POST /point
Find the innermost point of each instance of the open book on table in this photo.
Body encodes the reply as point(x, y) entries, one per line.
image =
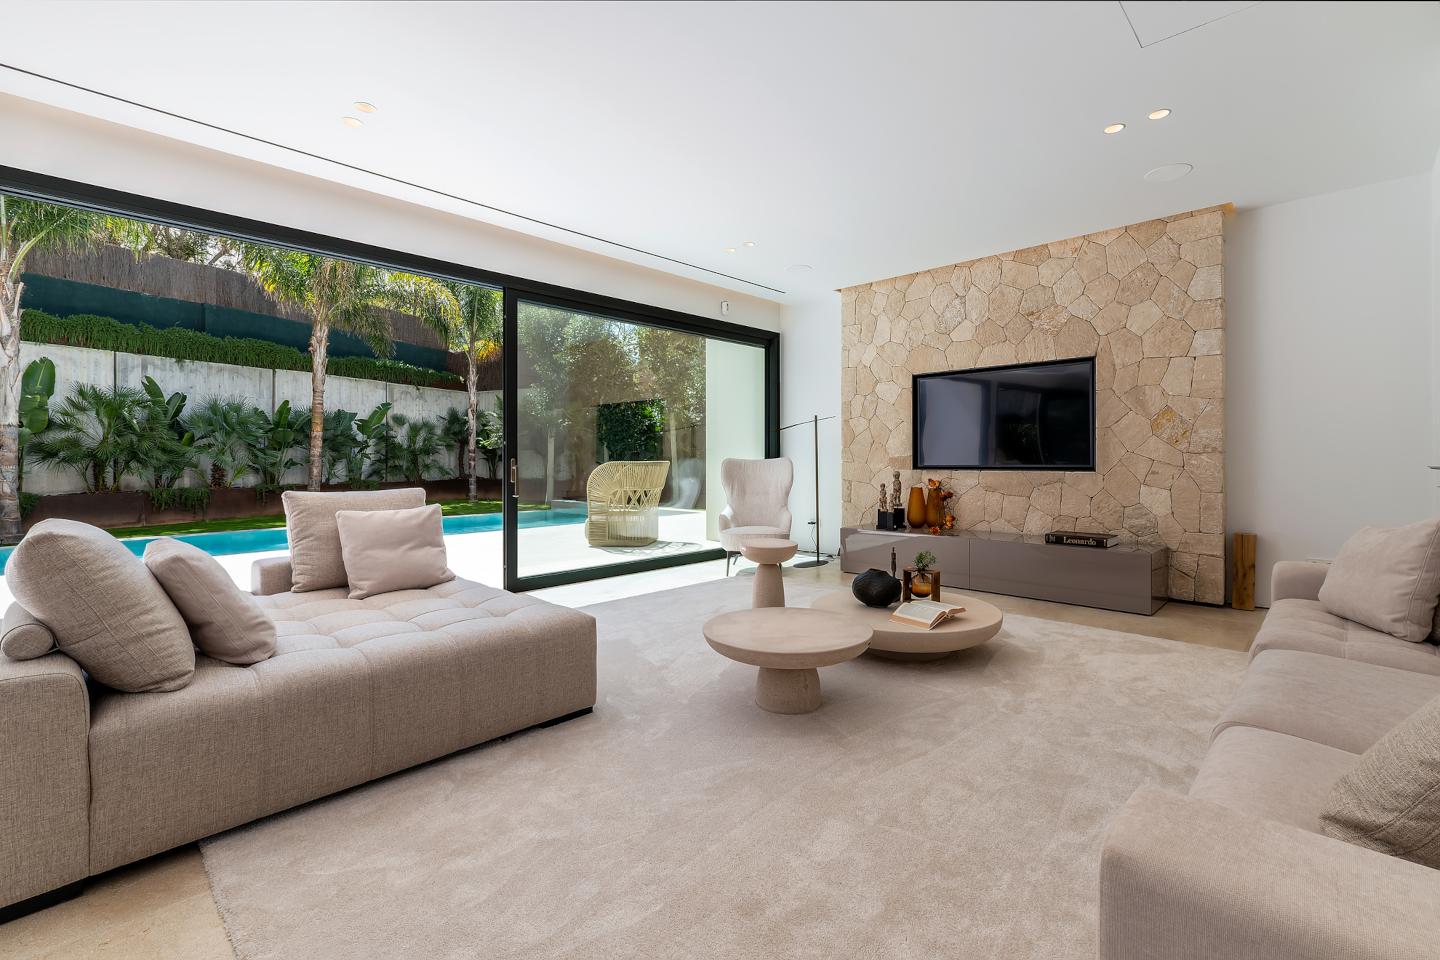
point(925, 614)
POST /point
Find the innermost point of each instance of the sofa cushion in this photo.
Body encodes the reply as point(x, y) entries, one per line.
point(23, 636)
point(1271, 775)
point(1387, 578)
point(315, 558)
point(224, 622)
point(1390, 801)
point(386, 550)
point(1306, 626)
point(107, 611)
point(1340, 703)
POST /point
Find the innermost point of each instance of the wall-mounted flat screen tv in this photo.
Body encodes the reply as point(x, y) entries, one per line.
point(1026, 416)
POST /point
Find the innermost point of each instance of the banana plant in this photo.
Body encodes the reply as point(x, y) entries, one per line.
point(371, 429)
point(281, 433)
point(37, 387)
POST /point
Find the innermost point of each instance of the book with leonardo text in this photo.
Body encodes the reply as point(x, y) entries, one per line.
point(925, 614)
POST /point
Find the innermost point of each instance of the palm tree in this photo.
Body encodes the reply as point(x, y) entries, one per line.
point(337, 294)
point(225, 431)
point(470, 319)
point(25, 226)
point(95, 432)
point(417, 447)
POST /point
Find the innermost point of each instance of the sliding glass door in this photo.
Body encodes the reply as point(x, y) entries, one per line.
point(619, 427)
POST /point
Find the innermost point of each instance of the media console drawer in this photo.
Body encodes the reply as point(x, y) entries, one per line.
point(1129, 577)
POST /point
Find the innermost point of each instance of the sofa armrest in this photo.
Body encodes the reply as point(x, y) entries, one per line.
point(270, 575)
point(1184, 879)
point(1297, 579)
point(44, 776)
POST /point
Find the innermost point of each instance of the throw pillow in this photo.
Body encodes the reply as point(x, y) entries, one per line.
point(225, 622)
point(1387, 579)
point(1390, 800)
point(315, 560)
point(389, 550)
point(107, 611)
point(22, 637)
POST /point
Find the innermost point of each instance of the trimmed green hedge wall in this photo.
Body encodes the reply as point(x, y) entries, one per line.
point(179, 343)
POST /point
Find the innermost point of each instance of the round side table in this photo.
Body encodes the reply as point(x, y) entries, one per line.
point(788, 645)
point(769, 553)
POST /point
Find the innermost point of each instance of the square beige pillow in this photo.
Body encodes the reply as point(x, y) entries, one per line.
point(225, 622)
point(1387, 578)
point(108, 613)
point(1390, 800)
point(315, 560)
point(388, 550)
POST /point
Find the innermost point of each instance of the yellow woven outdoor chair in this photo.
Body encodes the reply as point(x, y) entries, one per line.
point(622, 500)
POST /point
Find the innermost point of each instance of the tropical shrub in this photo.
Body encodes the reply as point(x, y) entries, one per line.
point(413, 449)
point(455, 434)
point(37, 387)
point(226, 430)
point(630, 431)
point(281, 434)
point(180, 343)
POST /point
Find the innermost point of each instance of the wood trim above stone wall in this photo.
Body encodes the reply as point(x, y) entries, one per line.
point(1147, 301)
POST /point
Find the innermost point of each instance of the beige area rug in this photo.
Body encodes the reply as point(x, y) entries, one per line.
point(947, 809)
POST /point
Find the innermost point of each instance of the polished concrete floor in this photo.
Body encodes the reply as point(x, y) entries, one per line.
point(161, 908)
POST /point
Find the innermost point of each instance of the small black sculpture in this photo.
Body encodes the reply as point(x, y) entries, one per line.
point(875, 588)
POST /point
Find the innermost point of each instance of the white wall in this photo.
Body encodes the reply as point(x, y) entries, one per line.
point(1329, 379)
point(734, 416)
point(810, 386)
point(48, 140)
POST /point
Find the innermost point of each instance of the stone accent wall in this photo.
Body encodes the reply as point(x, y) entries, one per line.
point(1146, 301)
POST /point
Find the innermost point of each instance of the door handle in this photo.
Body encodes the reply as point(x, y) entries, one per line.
point(514, 479)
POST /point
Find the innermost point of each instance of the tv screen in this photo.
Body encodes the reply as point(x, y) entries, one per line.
point(1029, 416)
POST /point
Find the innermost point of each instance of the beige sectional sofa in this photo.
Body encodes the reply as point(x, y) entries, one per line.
point(91, 778)
point(1240, 868)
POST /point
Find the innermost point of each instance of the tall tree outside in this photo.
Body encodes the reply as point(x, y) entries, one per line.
point(476, 333)
point(337, 294)
point(25, 226)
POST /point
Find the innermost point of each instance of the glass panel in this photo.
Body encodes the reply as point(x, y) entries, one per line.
point(620, 432)
point(175, 381)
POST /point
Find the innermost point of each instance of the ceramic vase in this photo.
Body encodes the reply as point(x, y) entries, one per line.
point(875, 588)
point(916, 512)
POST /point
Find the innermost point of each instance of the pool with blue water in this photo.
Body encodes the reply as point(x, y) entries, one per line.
point(259, 541)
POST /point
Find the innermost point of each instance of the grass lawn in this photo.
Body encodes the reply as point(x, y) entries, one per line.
point(450, 508)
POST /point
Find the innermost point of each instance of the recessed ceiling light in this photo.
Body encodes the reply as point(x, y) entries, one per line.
point(1160, 114)
point(352, 121)
point(1170, 171)
point(749, 243)
point(1114, 128)
point(365, 106)
point(799, 268)
point(729, 249)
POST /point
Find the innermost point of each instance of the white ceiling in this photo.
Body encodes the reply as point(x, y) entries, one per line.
point(864, 139)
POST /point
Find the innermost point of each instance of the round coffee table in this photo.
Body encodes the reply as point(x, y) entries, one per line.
point(900, 641)
point(769, 553)
point(788, 644)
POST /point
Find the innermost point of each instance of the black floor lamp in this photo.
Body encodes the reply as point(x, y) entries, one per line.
point(814, 423)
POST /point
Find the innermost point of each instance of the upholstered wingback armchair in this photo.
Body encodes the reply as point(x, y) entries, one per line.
point(757, 502)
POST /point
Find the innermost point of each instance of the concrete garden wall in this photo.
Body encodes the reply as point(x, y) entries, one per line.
point(199, 380)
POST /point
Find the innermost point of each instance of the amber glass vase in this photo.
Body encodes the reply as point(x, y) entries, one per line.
point(915, 514)
point(934, 507)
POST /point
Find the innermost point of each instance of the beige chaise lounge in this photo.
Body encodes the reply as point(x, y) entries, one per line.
point(92, 779)
point(1239, 869)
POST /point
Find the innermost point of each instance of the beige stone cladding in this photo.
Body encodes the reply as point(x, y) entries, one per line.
point(1147, 301)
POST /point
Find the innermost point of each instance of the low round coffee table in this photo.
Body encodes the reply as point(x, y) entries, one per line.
point(900, 641)
point(769, 553)
point(788, 644)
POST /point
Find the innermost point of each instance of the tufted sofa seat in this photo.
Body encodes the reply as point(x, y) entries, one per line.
point(356, 690)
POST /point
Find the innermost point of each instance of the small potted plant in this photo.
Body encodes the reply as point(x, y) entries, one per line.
point(922, 580)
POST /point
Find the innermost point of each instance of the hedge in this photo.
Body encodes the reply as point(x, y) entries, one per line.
point(180, 343)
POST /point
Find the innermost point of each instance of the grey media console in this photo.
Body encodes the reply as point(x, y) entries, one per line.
point(1128, 577)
